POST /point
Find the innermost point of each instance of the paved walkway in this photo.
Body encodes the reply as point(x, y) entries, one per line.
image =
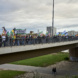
point(63, 68)
point(25, 68)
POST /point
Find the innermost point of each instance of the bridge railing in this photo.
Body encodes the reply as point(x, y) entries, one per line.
point(29, 41)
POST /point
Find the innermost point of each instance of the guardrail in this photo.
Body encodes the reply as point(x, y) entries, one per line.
point(39, 40)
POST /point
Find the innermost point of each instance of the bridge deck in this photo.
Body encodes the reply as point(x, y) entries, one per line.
point(13, 49)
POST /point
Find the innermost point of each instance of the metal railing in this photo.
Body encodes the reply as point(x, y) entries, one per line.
point(39, 40)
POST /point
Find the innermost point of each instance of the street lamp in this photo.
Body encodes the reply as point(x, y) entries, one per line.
point(52, 20)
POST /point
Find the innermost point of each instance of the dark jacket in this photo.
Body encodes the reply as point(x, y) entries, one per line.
point(0, 41)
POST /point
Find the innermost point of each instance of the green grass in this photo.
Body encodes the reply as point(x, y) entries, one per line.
point(73, 76)
point(43, 61)
point(9, 74)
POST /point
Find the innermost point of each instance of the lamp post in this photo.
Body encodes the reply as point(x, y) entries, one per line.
point(52, 20)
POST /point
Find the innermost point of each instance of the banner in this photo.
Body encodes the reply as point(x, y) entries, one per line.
point(40, 33)
point(20, 31)
point(4, 30)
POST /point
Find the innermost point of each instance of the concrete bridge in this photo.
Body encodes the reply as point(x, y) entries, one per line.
point(15, 53)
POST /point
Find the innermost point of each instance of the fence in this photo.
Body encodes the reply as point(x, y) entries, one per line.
point(39, 40)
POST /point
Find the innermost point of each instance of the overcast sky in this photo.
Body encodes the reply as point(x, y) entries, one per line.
point(37, 14)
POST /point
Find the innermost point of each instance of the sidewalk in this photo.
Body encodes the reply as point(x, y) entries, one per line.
point(25, 68)
point(63, 68)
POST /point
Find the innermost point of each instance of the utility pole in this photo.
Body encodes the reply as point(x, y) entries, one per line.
point(38, 31)
point(52, 20)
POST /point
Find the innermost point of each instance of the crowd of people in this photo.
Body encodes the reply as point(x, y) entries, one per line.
point(17, 40)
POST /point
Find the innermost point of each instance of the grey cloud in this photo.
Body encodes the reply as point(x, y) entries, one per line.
point(6, 7)
point(66, 1)
point(63, 10)
point(68, 26)
point(37, 13)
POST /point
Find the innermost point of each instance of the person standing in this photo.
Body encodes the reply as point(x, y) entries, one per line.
point(54, 70)
point(0, 41)
point(4, 39)
point(7, 40)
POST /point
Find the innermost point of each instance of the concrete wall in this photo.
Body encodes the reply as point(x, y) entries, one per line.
point(6, 50)
point(10, 54)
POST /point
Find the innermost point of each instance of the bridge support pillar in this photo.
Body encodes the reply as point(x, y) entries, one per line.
point(73, 54)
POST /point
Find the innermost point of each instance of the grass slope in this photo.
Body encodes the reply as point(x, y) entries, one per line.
point(9, 74)
point(43, 60)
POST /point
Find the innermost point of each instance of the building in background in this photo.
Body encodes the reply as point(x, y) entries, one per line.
point(49, 30)
point(72, 33)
